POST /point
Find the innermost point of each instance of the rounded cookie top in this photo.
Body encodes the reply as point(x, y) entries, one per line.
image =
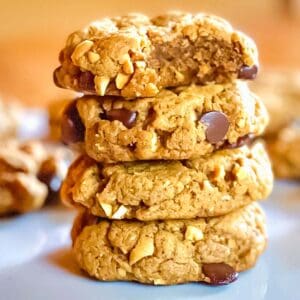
point(135, 56)
point(184, 123)
point(210, 186)
point(170, 252)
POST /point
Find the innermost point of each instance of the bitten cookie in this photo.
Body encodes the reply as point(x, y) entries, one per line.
point(28, 172)
point(185, 123)
point(134, 56)
point(211, 250)
point(210, 186)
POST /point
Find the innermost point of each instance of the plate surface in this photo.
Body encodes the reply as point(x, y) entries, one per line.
point(36, 262)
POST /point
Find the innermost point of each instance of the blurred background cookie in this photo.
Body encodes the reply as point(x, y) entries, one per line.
point(280, 91)
point(30, 172)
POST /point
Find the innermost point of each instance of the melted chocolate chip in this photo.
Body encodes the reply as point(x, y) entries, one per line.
point(72, 128)
point(241, 141)
point(219, 273)
point(127, 117)
point(247, 72)
point(56, 82)
point(217, 126)
point(86, 82)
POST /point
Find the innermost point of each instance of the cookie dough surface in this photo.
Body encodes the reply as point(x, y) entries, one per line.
point(210, 186)
point(170, 252)
point(135, 56)
point(184, 123)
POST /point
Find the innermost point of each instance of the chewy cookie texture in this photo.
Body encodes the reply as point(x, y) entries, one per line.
point(184, 123)
point(135, 56)
point(211, 250)
point(209, 186)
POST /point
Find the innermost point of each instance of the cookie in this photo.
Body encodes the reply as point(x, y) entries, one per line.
point(209, 186)
point(9, 116)
point(280, 92)
point(185, 123)
point(135, 56)
point(55, 112)
point(28, 174)
point(210, 250)
point(284, 149)
point(20, 190)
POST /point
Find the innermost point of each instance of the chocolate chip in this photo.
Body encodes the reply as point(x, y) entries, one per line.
point(219, 273)
point(241, 141)
point(56, 82)
point(247, 72)
point(86, 82)
point(217, 126)
point(127, 117)
point(72, 128)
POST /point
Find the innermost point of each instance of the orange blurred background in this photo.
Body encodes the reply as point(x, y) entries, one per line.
point(33, 32)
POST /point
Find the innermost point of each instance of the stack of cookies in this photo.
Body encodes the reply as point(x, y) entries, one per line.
point(167, 184)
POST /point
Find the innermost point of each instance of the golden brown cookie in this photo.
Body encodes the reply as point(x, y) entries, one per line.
point(135, 56)
point(209, 186)
point(210, 250)
point(185, 123)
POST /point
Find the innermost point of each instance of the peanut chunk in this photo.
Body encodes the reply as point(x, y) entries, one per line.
point(107, 209)
point(120, 213)
point(101, 83)
point(143, 248)
point(193, 233)
point(81, 49)
point(121, 80)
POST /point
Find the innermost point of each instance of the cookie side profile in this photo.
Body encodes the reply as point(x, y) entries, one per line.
point(209, 250)
point(185, 123)
point(209, 186)
point(135, 56)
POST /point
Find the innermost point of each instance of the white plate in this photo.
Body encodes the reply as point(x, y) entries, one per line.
point(36, 262)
